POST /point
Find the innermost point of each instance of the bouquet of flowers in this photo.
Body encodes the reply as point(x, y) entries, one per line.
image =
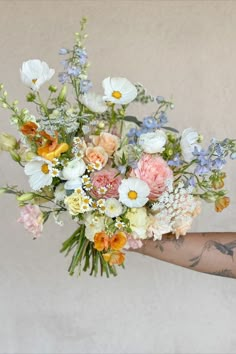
point(121, 179)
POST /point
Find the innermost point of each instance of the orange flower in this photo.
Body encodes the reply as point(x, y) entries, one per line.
point(29, 128)
point(118, 241)
point(101, 241)
point(45, 152)
point(221, 203)
point(114, 258)
point(51, 149)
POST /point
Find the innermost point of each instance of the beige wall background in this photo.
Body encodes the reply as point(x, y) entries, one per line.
point(184, 49)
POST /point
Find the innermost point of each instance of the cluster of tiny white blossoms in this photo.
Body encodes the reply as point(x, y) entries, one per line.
point(175, 206)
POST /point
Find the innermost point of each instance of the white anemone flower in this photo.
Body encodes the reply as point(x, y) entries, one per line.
point(93, 102)
point(118, 90)
point(34, 73)
point(189, 140)
point(40, 172)
point(74, 169)
point(73, 184)
point(133, 192)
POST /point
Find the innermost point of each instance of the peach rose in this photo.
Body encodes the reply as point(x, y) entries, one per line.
point(108, 141)
point(96, 154)
point(154, 171)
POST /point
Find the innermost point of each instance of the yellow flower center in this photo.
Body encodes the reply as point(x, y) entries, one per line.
point(34, 81)
point(116, 94)
point(132, 195)
point(45, 168)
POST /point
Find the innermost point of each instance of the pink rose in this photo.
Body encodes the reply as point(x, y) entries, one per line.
point(107, 178)
point(154, 171)
point(108, 141)
point(32, 218)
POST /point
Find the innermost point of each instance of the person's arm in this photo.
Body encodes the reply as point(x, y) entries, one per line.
point(209, 252)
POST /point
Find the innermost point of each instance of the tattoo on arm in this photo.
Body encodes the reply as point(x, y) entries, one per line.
point(227, 273)
point(226, 249)
point(176, 242)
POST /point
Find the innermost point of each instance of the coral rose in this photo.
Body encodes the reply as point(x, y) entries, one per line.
point(107, 178)
point(96, 154)
point(155, 172)
point(108, 141)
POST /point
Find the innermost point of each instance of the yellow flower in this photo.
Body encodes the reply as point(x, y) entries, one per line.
point(114, 257)
point(75, 203)
point(118, 241)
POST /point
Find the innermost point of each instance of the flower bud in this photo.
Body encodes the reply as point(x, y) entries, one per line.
point(16, 157)
point(1, 86)
point(7, 142)
point(101, 125)
point(3, 190)
point(52, 88)
point(218, 181)
point(5, 93)
point(62, 94)
point(25, 197)
point(4, 105)
point(221, 203)
point(30, 97)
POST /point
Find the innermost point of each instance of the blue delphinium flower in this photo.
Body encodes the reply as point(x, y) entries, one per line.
point(160, 99)
point(176, 161)
point(63, 51)
point(204, 163)
point(149, 123)
point(81, 53)
point(191, 182)
point(63, 78)
point(162, 120)
point(85, 86)
point(73, 71)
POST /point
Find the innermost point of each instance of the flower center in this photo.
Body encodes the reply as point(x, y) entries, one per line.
point(116, 94)
point(45, 168)
point(132, 195)
point(34, 81)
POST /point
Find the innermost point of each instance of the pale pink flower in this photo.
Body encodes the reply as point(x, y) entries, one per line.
point(32, 218)
point(108, 178)
point(155, 172)
point(181, 225)
point(108, 141)
point(133, 243)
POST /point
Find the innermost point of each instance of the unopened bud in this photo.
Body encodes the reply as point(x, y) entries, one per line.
point(52, 88)
point(16, 157)
point(62, 94)
point(25, 197)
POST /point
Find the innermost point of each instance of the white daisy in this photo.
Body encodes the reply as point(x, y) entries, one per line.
point(34, 73)
point(118, 90)
point(40, 172)
point(93, 102)
point(133, 192)
point(113, 207)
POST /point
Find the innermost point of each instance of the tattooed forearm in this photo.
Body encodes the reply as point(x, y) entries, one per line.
point(226, 249)
point(169, 238)
point(211, 253)
point(227, 273)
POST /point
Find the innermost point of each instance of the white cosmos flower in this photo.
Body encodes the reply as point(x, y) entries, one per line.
point(133, 192)
point(113, 207)
point(118, 90)
point(152, 142)
point(74, 169)
point(40, 171)
point(34, 73)
point(93, 102)
point(189, 139)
